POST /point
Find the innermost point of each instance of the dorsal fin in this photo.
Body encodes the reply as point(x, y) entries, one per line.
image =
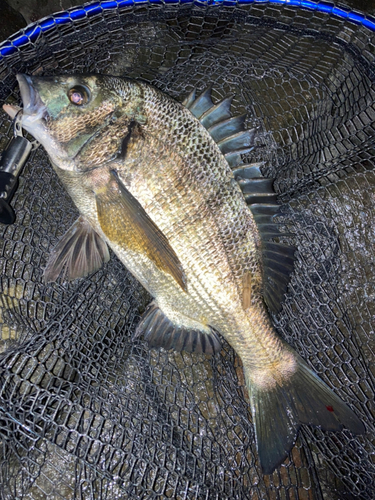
point(234, 141)
point(277, 259)
point(201, 104)
point(187, 102)
point(226, 130)
point(217, 113)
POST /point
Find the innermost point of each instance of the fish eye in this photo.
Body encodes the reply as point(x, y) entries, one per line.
point(78, 95)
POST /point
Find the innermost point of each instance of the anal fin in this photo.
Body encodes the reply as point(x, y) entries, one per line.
point(160, 331)
point(80, 252)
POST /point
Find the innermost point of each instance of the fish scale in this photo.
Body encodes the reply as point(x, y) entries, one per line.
point(193, 240)
point(151, 183)
point(207, 179)
point(228, 197)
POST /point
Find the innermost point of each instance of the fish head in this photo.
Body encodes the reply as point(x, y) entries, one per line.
point(77, 118)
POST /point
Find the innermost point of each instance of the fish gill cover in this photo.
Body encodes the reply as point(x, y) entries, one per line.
point(85, 412)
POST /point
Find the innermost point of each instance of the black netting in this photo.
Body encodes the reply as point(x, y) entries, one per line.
point(85, 412)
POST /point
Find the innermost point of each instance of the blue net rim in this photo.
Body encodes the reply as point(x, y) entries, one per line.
point(31, 33)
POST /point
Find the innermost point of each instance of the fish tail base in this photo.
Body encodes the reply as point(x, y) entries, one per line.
point(279, 409)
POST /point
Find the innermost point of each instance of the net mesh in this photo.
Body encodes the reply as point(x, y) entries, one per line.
point(85, 412)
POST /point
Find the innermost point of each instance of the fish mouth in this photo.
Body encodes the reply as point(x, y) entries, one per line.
point(34, 109)
point(32, 102)
point(29, 95)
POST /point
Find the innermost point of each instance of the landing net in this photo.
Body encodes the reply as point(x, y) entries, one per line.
point(85, 413)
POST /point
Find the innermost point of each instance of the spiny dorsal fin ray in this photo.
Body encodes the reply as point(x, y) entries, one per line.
point(234, 141)
point(244, 172)
point(257, 190)
point(265, 209)
point(226, 128)
point(256, 186)
point(189, 99)
point(260, 198)
point(218, 113)
point(234, 158)
point(241, 140)
point(202, 103)
point(160, 331)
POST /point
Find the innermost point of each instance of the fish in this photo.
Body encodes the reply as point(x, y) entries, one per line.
point(165, 186)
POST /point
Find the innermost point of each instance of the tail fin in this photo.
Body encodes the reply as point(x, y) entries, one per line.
point(279, 412)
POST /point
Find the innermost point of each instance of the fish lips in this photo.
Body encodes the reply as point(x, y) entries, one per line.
point(32, 102)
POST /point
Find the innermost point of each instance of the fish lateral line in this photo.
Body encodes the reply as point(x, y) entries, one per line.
point(246, 292)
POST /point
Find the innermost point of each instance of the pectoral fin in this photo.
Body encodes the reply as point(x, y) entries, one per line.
point(125, 222)
point(80, 251)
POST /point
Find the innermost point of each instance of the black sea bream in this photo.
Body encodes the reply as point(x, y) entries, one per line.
point(156, 181)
